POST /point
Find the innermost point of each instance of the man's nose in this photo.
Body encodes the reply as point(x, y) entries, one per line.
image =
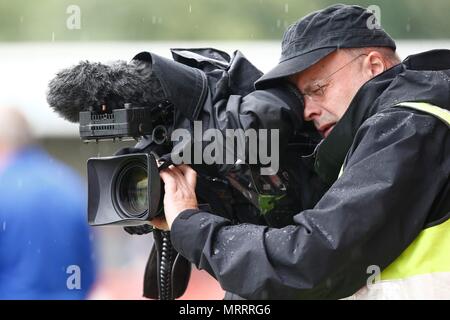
point(312, 109)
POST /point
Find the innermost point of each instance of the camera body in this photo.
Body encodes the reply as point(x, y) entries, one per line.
point(125, 189)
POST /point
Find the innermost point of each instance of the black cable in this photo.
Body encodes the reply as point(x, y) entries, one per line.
point(165, 267)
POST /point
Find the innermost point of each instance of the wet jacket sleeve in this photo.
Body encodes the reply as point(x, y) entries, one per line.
point(394, 172)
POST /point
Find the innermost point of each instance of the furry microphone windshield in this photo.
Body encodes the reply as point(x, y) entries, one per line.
point(95, 85)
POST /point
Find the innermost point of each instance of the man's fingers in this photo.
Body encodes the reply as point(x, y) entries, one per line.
point(180, 175)
point(189, 173)
point(185, 168)
point(175, 172)
point(168, 177)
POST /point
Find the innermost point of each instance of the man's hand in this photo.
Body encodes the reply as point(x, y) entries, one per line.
point(179, 188)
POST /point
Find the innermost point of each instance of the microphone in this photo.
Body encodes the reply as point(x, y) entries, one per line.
point(98, 87)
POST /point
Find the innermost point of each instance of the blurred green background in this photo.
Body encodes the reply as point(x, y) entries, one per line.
point(148, 20)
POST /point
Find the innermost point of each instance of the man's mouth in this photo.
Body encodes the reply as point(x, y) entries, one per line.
point(326, 129)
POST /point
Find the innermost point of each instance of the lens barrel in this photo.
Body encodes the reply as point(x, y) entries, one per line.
point(131, 190)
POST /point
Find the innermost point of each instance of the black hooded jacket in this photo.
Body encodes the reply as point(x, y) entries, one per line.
point(395, 183)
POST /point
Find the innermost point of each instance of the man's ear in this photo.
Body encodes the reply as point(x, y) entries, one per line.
point(374, 64)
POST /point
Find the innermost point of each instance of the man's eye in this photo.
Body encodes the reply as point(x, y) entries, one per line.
point(318, 90)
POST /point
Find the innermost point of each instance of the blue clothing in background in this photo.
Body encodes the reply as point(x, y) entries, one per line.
point(45, 249)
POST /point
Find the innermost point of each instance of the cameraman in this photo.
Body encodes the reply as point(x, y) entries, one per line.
point(388, 208)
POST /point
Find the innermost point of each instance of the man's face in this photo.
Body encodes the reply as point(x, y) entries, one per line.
point(329, 86)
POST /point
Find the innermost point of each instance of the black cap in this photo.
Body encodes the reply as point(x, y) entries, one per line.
point(320, 33)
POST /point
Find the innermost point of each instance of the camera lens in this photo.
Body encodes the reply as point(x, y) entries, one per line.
point(132, 190)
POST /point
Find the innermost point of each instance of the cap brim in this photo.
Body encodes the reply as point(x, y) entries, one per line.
point(292, 66)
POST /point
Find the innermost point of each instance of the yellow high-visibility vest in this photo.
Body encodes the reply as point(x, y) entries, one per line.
point(422, 271)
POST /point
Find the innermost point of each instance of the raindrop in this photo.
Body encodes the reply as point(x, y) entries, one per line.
point(190, 8)
point(286, 7)
point(153, 20)
point(4, 225)
point(278, 23)
point(21, 19)
point(53, 36)
point(408, 27)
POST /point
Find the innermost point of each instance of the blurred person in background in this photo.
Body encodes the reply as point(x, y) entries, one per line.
point(45, 251)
